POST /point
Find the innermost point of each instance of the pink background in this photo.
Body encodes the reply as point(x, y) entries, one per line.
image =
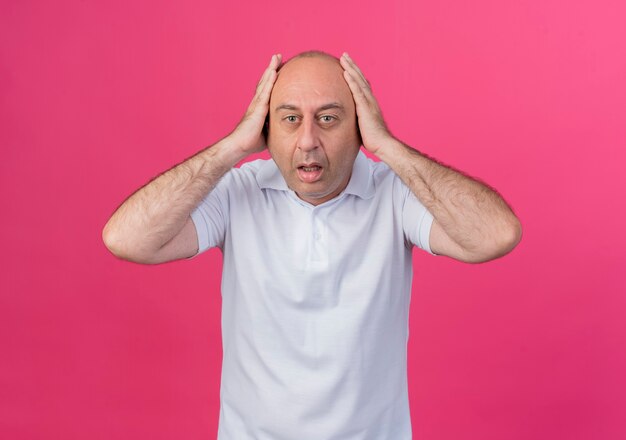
point(96, 98)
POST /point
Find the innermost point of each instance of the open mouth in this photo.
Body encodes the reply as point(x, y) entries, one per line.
point(310, 174)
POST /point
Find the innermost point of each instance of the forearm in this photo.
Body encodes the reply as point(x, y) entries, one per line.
point(155, 213)
point(473, 215)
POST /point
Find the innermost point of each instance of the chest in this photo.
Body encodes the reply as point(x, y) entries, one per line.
point(314, 253)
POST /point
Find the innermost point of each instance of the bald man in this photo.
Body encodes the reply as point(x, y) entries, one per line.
point(317, 246)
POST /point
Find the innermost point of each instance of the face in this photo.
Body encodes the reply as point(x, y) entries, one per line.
point(313, 135)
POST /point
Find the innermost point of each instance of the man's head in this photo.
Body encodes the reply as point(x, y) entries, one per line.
point(313, 134)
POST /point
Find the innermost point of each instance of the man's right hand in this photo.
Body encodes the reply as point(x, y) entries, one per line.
point(248, 135)
point(154, 224)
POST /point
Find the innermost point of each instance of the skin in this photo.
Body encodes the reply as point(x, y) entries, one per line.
point(472, 223)
point(153, 225)
point(303, 131)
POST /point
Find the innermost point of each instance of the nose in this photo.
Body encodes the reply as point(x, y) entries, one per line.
point(308, 138)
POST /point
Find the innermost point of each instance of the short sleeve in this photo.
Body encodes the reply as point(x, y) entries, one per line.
point(211, 216)
point(416, 220)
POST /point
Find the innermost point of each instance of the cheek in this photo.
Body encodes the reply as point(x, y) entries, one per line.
point(349, 132)
point(279, 149)
point(344, 155)
point(344, 145)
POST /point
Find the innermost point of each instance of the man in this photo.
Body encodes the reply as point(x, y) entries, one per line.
point(317, 246)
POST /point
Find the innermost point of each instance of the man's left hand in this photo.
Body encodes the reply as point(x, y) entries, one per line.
point(374, 131)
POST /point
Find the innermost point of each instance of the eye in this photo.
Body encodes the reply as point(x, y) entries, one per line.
point(291, 118)
point(327, 118)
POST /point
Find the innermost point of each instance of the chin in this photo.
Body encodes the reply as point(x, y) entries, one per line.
point(321, 195)
point(310, 191)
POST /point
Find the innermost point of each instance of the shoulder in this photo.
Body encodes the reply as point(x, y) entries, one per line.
point(253, 166)
point(380, 170)
point(248, 169)
point(245, 176)
point(384, 178)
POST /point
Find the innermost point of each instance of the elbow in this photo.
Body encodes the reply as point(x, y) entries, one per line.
point(508, 239)
point(515, 233)
point(113, 241)
point(121, 247)
point(501, 244)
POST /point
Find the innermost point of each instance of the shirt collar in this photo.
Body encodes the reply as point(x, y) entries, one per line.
point(361, 182)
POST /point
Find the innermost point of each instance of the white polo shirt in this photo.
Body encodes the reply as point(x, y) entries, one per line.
point(315, 304)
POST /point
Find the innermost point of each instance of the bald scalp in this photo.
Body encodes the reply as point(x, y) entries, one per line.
point(305, 64)
point(310, 54)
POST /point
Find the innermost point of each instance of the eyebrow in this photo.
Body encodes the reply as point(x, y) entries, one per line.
point(328, 106)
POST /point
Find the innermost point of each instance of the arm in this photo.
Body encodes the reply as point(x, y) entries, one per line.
point(472, 223)
point(154, 225)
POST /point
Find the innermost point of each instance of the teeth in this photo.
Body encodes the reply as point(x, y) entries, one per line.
point(310, 168)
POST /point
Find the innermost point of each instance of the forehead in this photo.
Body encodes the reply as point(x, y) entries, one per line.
point(311, 82)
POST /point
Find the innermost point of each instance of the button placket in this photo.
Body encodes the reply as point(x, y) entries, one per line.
point(320, 249)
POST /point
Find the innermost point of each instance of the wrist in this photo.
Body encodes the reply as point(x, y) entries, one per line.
point(390, 149)
point(228, 152)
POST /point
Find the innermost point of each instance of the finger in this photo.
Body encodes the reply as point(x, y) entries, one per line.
point(267, 70)
point(357, 85)
point(357, 68)
point(264, 96)
point(271, 79)
point(360, 97)
point(351, 65)
point(277, 61)
point(273, 65)
point(358, 80)
point(261, 98)
point(263, 83)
